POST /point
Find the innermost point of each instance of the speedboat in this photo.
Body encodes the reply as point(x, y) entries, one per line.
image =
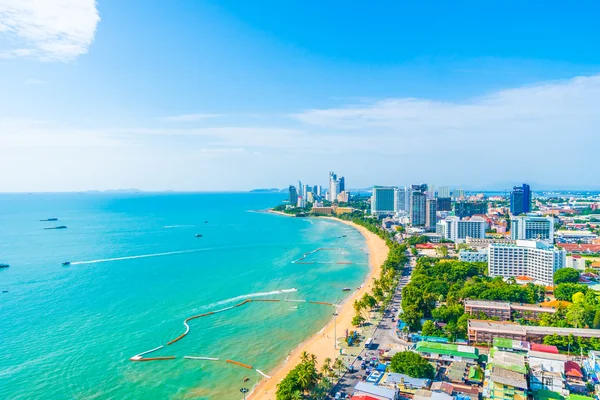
point(4, 265)
point(346, 289)
point(57, 227)
point(198, 235)
point(66, 263)
point(49, 219)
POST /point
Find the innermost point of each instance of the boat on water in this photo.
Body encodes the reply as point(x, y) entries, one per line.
point(346, 289)
point(4, 265)
point(198, 235)
point(57, 227)
point(206, 222)
point(66, 263)
point(49, 219)
point(246, 379)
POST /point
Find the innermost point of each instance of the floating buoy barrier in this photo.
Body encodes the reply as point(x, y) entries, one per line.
point(140, 357)
point(263, 374)
point(201, 358)
point(239, 363)
point(152, 358)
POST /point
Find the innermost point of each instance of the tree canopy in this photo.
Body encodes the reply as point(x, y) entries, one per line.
point(566, 275)
point(412, 364)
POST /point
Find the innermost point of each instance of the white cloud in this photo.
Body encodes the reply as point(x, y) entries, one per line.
point(190, 117)
point(548, 111)
point(32, 81)
point(49, 30)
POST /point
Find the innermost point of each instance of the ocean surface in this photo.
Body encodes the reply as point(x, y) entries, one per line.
point(137, 271)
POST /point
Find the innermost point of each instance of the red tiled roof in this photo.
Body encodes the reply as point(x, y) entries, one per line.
point(576, 256)
point(573, 369)
point(523, 278)
point(544, 348)
point(363, 397)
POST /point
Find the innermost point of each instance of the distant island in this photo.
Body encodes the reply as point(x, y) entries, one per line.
point(271, 190)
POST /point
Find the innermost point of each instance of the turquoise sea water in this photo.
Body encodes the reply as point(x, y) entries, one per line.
point(68, 332)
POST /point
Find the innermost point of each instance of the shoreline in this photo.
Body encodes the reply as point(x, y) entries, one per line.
point(321, 343)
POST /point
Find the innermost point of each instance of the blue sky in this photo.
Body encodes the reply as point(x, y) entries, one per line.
point(232, 95)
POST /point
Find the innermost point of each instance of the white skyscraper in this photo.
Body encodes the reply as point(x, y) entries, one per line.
point(443, 192)
point(532, 227)
point(457, 230)
point(333, 186)
point(535, 259)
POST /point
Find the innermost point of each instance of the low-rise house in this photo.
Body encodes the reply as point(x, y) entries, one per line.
point(457, 372)
point(544, 348)
point(515, 346)
point(547, 372)
point(575, 377)
point(447, 352)
point(375, 391)
point(404, 383)
point(504, 384)
point(424, 394)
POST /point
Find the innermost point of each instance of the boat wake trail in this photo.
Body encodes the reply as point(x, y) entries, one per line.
point(169, 253)
point(251, 295)
point(178, 226)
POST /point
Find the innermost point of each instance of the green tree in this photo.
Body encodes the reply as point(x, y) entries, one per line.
point(412, 364)
point(442, 251)
point(566, 275)
point(430, 329)
point(565, 291)
point(596, 323)
point(357, 320)
point(578, 298)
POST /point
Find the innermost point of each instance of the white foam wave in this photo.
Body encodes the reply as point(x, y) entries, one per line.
point(168, 253)
point(251, 295)
point(178, 226)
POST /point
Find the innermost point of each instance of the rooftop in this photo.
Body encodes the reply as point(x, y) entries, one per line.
point(545, 348)
point(380, 391)
point(508, 377)
point(573, 369)
point(512, 328)
point(455, 350)
point(395, 378)
point(511, 361)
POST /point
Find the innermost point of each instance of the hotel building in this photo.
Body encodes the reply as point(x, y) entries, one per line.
point(535, 259)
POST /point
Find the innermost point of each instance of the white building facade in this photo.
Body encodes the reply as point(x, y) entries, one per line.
point(526, 227)
point(458, 230)
point(473, 256)
point(535, 259)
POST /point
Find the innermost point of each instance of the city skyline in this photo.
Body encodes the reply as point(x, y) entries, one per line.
point(96, 97)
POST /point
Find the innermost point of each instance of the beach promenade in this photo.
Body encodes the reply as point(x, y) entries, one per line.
point(321, 344)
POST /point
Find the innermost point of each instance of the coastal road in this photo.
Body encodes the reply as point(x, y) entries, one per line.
point(384, 336)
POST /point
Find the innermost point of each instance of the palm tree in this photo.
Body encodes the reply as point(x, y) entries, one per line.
point(312, 359)
point(304, 378)
point(327, 362)
point(297, 395)
point(304, 357)
point(338, 364)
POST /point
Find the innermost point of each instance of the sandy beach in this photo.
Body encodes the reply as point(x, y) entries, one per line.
point(321, 343)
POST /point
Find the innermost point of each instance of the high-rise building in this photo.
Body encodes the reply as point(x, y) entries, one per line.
point(444, 204)
point(383, 200)
point(458, 230)
point(419, 188)
point(418, 208)
point(532, 227)
point(319, 191)
point(520, 200)
point(535, 259)
point(430, 191)
point(403, 199)
point(293, 195)
point(443, 191)
point(305, 191)
point(301, 202)
point(458, 194)
point(314, 190)
point(336, 186)
point(465, 208)
point(310, 197)
point(431, 214)
point(300, 188)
